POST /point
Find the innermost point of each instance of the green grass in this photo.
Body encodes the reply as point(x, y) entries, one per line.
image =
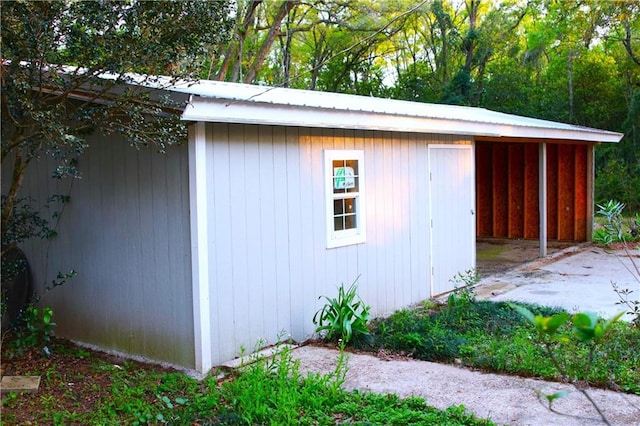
point(493, 337)
point(267, 392)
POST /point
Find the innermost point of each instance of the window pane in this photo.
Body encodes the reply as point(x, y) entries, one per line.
point(355, 186)
point(350, 222)
point(354, 165)
point(338, 224)
point(350, 205)
point(344, 177)
point(338, 207)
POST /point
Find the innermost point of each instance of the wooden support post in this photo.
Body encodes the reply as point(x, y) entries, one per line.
point(542, 196)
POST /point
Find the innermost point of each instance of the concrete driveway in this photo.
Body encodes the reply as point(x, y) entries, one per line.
point(578, 278)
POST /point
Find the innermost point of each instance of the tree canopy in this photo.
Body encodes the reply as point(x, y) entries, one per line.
point(575, 61)
point(58, 57)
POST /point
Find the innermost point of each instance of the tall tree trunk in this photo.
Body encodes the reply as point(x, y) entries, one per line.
point(319, 56)
point(627, 43)
point(570, 71)
point(235, 47)
point(285, 7)
point(19, 167)
point(442, 57)
point(286, 54)
point(470, 43)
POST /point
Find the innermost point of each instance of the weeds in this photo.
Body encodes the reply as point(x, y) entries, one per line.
point(345, 317)
point(625, 298)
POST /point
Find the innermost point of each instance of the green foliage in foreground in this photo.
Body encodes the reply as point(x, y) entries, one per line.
point(344, 318)
point(494, 337)
point(268, 392)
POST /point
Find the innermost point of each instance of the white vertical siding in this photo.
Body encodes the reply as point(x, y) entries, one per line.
point(295, 229)
point(267, 229)
point(126, 232)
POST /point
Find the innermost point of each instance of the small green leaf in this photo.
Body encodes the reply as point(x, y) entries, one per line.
point(527, 314)
point(556, 395)
point(586, 326)
point(585, 319)
point(555, 322)
point(612, 320)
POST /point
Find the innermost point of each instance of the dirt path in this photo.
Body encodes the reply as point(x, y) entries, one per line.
point(504, 399)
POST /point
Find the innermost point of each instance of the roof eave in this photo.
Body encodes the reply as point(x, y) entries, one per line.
point(230, 111)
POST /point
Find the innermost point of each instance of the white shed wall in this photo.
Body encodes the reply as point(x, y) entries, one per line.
point(266, 229)
point(126, 232)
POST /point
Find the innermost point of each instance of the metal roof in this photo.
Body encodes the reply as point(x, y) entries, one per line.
point(216, 101)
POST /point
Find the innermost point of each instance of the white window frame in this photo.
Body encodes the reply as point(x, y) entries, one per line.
point(356, 235)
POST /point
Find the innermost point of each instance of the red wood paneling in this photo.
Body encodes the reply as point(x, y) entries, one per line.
point(580, 193)
point(484, 189)
point(566, 177)
point(531, 192)
point(500, 190)
point(507, 179)
point(516, 191)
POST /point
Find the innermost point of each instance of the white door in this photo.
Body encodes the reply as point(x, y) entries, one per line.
point(452, 208)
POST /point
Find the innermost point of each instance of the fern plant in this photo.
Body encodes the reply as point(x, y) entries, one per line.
point(345, 317)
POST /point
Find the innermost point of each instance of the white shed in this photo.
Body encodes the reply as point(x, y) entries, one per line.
point(278, 197)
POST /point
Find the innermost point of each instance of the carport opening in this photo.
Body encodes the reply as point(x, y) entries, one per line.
point(511, 181)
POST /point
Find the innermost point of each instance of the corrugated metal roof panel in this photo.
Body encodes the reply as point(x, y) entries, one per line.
point(251, 103)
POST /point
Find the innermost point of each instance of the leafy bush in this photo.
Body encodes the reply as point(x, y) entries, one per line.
point(495, 337)
point(35, 328)
point(344, 318)
point(563, 334)
point(441, 334)
point(615, 228)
